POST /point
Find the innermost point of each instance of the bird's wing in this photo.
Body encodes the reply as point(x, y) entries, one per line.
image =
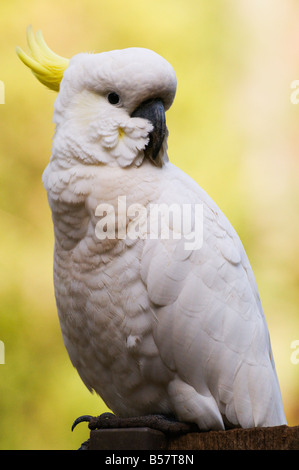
point(210, 327)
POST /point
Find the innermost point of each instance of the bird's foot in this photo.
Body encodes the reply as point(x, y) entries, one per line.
point(166, 424)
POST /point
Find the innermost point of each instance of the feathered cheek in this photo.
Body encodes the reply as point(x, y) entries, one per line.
point(124, 141)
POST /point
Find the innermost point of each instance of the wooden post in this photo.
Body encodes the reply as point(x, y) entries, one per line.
point(271, 438)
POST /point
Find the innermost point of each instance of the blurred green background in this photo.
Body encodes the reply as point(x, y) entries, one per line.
point(232, 127)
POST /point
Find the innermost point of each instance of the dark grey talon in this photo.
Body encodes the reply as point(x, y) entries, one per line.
point(166, 424)
point(81, 419)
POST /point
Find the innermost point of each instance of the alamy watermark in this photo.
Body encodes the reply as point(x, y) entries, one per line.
point(2, 353)
point(155, 221)
point(295, 94)
point(295, 354)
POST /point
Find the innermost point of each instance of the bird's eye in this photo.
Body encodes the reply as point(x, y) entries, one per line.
point(113, 98)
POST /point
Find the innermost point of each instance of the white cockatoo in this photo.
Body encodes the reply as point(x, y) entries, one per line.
point(153, 324)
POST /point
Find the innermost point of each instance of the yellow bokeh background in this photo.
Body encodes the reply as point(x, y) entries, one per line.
point(233, 128)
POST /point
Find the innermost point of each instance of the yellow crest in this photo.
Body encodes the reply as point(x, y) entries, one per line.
point(47, 66)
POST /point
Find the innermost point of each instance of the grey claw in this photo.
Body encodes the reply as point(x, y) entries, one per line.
point(81, 419)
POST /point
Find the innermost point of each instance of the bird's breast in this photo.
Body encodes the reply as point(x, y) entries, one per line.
point(104, 309)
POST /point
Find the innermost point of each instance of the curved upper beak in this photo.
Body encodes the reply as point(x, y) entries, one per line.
point(154, 111)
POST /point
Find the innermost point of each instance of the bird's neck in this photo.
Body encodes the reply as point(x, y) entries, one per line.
point(76, 194)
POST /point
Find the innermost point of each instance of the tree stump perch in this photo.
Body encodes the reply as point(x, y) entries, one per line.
point(270, 438)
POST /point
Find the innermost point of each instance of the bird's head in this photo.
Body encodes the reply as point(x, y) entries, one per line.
point(110, 107)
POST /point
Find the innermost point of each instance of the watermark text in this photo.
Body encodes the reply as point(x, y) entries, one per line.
point(295, 354)
point(156, 221)
point(295, 94)
point(2, 353)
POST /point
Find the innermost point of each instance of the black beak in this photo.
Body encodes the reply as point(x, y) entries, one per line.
point(153, 110)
